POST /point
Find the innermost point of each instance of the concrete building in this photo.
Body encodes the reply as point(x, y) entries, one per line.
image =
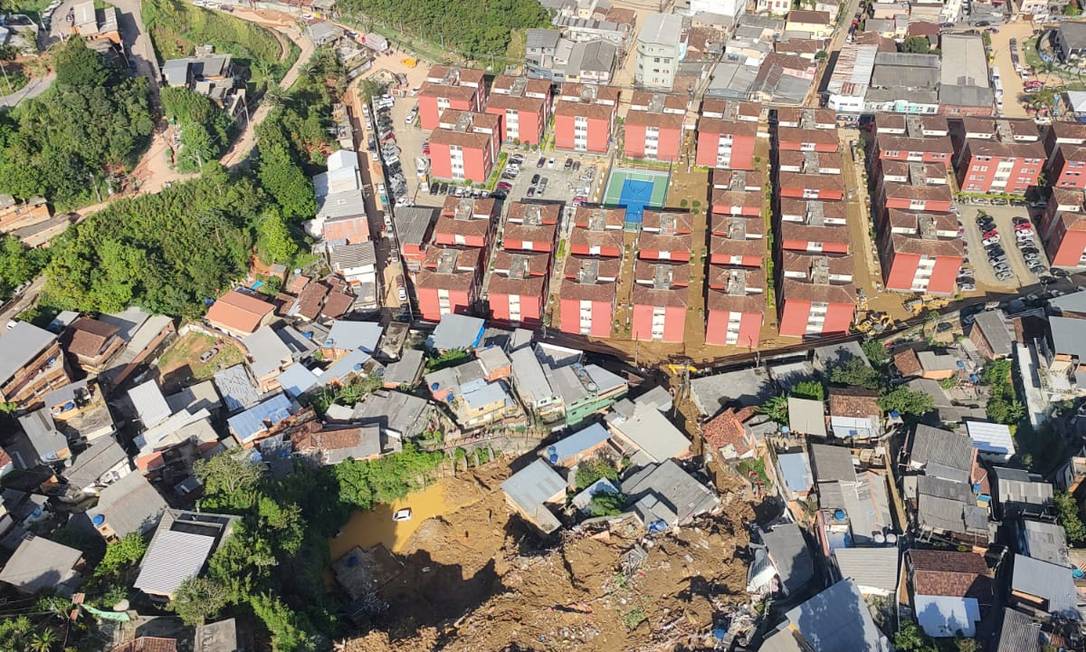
point(449, 87)
point(587, 297)
point(465, 222)
point(726, 135)
point(913, 139)
point(816, 305)
point(584, 118)
point(448, 281)
point(847, 87)
point(999, 156)
point(464, 146)
point(659, 300)
point(654, 126)
point(661, 45)
point(524, 108)
point(31, 364)
point(963, 77)
point(920, 252)
point(1063, 228)
point(735, 305)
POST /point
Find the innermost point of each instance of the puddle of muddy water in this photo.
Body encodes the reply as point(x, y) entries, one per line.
point(365, 529)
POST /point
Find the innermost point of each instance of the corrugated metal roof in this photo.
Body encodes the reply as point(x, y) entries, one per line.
point(582, 440)
point(990, 437)
point(250, 423)
point(19, 345)
point(869, 567)
point(173, 557)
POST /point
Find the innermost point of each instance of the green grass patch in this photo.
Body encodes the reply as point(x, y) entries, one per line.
point(177, 28)
point(756, 467)
point(496, 173)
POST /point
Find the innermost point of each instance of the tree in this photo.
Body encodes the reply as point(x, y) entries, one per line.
point(906, 401)
point(43, 640)
point(231, 482)
point(854, 371)
point(910, 638)
point(121, 555)
point(281, 175)
point(78, 65)
point(197, 599)
point(809, 389)
point(204, 126)
point(591, 470)
point(916, 45)
point(606, 504)
point(775, 408)
point(875, 352)
point(1068, 514)
point(274, 243)
point(18, 264)
point(283, 625)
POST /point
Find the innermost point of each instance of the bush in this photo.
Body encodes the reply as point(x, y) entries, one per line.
point(606, 504)
point(855, 372)
point(809, 389)
point(591, 470)
point(204, 127)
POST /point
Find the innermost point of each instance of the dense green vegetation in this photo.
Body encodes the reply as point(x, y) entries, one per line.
point(177, 27)
point(205, 128)
point(363, 483)
point(606, 504)
point(1067, 512)
point(855, 372)
point(906, 401)
point(64, 145)
point(272, 563)
point(809, 389)
point(165, 252)
point(293, 140)
point(1003, 404)
point(347, 393)
point(449, 358)
point(476, 30)
point(18, 264)
point(593, 469)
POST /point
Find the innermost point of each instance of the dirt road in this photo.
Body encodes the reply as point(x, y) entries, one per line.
point(1001, 51)
point(288, 26)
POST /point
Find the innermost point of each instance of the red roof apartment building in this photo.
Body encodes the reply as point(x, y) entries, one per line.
point(464, 146)
point(797, 185)
point(806, 130)
point(1063, 228)
point(803, 266)
point(584, 118)
point(597, 231)
point(813, 233)
point(1065, 143)
point(914, 195)
point(659, 299)
point(448, 281)
point(809, 162)
point(998, 156)
point(727, 132)
point(737, 240)
point(587, 297)
point(912, 139)
point(654, 126)
point(531, 226)
point(735, 306)
point(465, 222)
point(523, 105)
point(920, 252)
point(815, 306)
point(461, 89)
point(517, 291)
point(665, 235)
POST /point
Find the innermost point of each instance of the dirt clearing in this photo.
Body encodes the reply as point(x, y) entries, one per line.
point(182, 365)
point(478, 579)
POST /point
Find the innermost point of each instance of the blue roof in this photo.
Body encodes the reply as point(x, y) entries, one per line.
point(250, 423)
point(582, 440)
point(296, 379)
point(796, 469)
point(354, 335)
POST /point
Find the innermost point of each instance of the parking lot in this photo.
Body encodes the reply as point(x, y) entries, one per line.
point(1003, 216)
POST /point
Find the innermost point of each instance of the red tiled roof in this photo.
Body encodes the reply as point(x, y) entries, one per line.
point(950, 573)
point(238, 311)
point(854, 403)
point(727, 429)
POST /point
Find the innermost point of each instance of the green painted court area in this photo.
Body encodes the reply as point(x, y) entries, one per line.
point(636, 190)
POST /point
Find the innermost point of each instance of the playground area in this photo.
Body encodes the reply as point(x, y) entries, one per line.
point(636, 190)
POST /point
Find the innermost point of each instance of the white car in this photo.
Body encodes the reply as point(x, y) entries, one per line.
point(990, 241)
point(411, 117)
point(401, 293)
point(402, 514)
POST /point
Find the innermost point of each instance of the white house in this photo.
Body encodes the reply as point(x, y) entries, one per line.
point(993, 441)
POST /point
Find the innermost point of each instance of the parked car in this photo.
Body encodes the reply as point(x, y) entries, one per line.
point(531, 192)
point(535, 179)
point(541, 162)
point(504, 185)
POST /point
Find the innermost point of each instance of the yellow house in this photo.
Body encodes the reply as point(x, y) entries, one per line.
point(819, 24)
